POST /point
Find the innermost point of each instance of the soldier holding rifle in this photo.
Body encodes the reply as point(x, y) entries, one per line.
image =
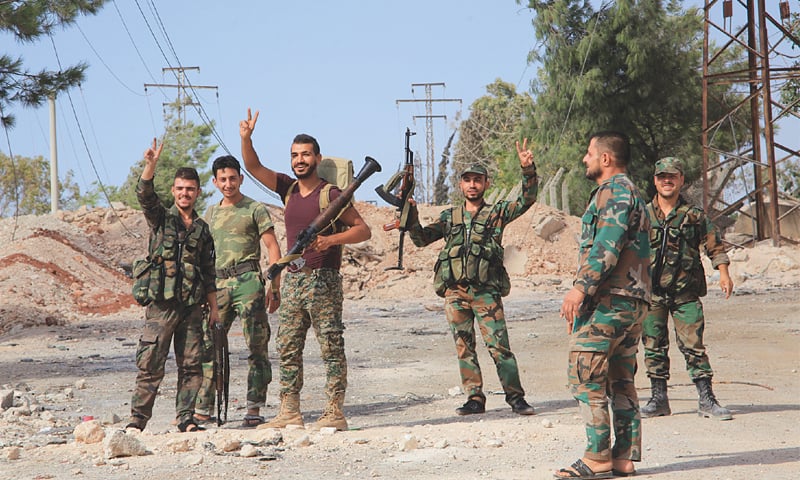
point(239, 225)
point(312, 288)
point(471, 277)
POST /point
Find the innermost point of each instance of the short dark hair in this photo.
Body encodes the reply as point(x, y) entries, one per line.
point(304, 138)
point(188, 173)
point(226, 161)
point(615, 142)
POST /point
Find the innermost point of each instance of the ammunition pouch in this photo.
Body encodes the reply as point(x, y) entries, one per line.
point(148, 280)
point(479, 263)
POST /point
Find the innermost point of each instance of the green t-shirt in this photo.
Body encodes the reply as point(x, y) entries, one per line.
point(237, 231)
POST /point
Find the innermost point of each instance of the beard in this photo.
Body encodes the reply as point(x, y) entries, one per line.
point(593, 174)
point(474, 196)
point(310, 169)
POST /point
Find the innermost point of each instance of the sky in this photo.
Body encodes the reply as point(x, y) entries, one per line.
point(333, 70)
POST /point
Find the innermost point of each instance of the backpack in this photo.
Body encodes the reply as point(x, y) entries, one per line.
point(334, 171)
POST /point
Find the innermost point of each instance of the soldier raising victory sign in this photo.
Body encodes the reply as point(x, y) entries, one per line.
point(472, 279)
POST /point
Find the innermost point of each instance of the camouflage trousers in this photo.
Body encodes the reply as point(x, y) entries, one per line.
point(312, 299)
point(163, 321)
point(602, 365)
point(464, 305)
point(689, 325)
point(243, 296)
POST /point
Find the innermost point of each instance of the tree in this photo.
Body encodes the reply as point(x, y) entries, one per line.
point(25, 187)
point(630, 66)
point(185, 145)
point(487, 136)
point(28, 21)
point(441, 190)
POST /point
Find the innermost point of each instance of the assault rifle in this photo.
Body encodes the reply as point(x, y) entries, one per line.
point(396, 192)
point(324, 219)
point(222, 370)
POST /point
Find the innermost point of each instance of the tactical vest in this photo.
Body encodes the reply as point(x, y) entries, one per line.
point(472, 255)
point(676, 253)
point(170, 270)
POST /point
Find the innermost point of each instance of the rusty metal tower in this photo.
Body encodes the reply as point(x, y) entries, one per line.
point(763, 35)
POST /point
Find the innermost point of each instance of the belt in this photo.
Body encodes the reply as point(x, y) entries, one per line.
point(238, 269)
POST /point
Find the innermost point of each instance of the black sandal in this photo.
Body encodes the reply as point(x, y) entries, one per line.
point(185, 426)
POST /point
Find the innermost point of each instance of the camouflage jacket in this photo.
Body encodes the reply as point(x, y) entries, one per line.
point(186, 255)
point(680, 235)
point(237, 231)
point(491, 236)
point(614, 255)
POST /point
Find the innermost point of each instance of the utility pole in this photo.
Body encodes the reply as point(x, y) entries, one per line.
point(184, 98)
point(53, 156)
point(428, 176)
point(764, 38)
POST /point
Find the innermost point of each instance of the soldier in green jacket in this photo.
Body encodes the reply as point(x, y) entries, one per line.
point(181, 253)
point(604, 311)
point(679, 230)
point(471, 277)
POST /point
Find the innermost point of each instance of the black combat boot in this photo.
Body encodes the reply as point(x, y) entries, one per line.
point(658, 405)
point(707, 405)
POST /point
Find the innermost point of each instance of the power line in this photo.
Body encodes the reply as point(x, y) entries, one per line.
point(428, 176)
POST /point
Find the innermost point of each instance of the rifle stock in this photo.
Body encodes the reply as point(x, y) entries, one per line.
point(403, 183)
point(309, 234)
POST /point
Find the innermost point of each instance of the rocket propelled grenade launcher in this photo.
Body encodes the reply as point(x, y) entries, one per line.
point(326, 218)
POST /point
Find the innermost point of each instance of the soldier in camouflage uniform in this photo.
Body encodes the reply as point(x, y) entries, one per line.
point(312, 293)
point(182, 248)
point(471, 277)
point(604, 311)
point(239, 224)
point(678, 232)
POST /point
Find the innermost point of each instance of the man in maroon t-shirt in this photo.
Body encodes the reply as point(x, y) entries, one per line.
point(311, 290)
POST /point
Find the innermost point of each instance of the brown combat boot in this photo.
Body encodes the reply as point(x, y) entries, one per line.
point(333, 416)
point(289, 413)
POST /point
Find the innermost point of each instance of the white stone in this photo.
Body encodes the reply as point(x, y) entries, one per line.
point(89, 432)
point(303, 441)
point(120, 444)
point(408, 443)
point(248, 451)
point(181, 445)
point(455, 392)
point(13, 453)
point(231, 445)
point(6, 399)
point(327, 430)
point(81, 384)
point(546, 423)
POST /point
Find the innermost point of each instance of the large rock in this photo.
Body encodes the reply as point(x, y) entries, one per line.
point(120, 444)
point(89, 432)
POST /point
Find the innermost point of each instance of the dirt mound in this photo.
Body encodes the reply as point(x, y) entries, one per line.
point(63, 267)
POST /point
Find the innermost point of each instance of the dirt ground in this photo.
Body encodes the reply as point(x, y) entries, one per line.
point(68, 333)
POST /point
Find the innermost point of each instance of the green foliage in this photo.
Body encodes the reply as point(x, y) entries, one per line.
point(185, 145)
point(25, 187)
point(631, 66)
point(487, 136)
point(28, 21)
